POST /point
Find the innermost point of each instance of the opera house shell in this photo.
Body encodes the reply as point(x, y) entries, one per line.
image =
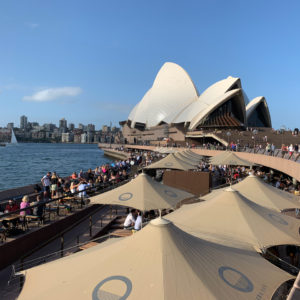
point(174, 99)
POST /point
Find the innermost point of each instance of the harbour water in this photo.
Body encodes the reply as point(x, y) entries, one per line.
point(25, 164)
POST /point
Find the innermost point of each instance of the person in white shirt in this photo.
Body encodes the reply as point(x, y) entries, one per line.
point(130, 219)
point(81, 188)
point(138, 222)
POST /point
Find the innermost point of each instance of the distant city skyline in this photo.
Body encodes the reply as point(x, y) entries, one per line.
point(91, 63)
point(21, 124)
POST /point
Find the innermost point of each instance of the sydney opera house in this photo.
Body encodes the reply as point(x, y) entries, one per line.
point(173, 108)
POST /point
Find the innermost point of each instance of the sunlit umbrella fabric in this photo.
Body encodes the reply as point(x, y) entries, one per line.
point(229, 158)
point(160, 262)
point(231, 215)
point(189, 160)
point(190, 156)
point(192, 153)
point(256, 190)
point(171, 162)
point(143, 193)
point(165, 150)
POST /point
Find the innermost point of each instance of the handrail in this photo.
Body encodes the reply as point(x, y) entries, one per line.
point(20, 267)
point(62, 197)
point(292, 269)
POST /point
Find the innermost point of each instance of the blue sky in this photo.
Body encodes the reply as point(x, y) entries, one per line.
point(92, 61)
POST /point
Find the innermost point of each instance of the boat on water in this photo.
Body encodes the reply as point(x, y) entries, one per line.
point(13, 140)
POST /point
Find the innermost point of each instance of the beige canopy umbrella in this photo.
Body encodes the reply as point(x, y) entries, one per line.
point(160, 262)
point(192, 153)
point(166, 150)
point(143, 193)
point(191, 161)
point(229, 158)
point(256, 190)
point(187, 155)
point(171, 162)
point(233, 216)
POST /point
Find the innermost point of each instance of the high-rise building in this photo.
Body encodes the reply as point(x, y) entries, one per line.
point(106, 128)
point(10, 125)
point(91, 127)
point(23, 122)
point(80, 126)
point(49, 126)
point(63, 123)
point(71, 126)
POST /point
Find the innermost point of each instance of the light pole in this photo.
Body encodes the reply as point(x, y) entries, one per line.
point(228, 133)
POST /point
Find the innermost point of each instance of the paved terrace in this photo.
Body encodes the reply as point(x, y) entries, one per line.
point(287, 166)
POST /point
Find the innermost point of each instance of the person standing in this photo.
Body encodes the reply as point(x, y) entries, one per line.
point(268, 148)
point(272, 149)
point(46, 182)
point(54, 182)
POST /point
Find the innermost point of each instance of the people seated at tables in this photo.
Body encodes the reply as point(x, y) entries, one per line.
point(10, 207)
point(138, 221)
point(82, 189)
point(130, 219)
point(38, 210)
point(24, 204)
point(74, 185)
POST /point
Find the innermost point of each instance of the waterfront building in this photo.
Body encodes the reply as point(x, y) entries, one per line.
point(67, 137)
point(90, 137)
point(97, 137)
point(5, 134)
point(173, 107)
point(23, 122)
point(77, 138)
point(83, 138)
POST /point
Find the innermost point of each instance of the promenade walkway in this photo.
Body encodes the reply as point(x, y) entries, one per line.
point(284, 165)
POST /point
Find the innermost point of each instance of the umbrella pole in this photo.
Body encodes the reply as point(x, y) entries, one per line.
point(295, 291)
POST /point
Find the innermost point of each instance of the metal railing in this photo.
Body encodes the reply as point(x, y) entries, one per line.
point(16, 281)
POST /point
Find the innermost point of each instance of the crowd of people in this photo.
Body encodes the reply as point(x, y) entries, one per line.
point(54, 187)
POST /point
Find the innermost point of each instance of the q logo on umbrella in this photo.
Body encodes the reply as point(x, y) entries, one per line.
point(236, 279)
point(99, 294)
point(125, 196)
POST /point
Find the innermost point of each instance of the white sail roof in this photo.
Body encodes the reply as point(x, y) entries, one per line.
point(208, 100)
point(173, 99)
point(171, 92)
point(252, 106)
